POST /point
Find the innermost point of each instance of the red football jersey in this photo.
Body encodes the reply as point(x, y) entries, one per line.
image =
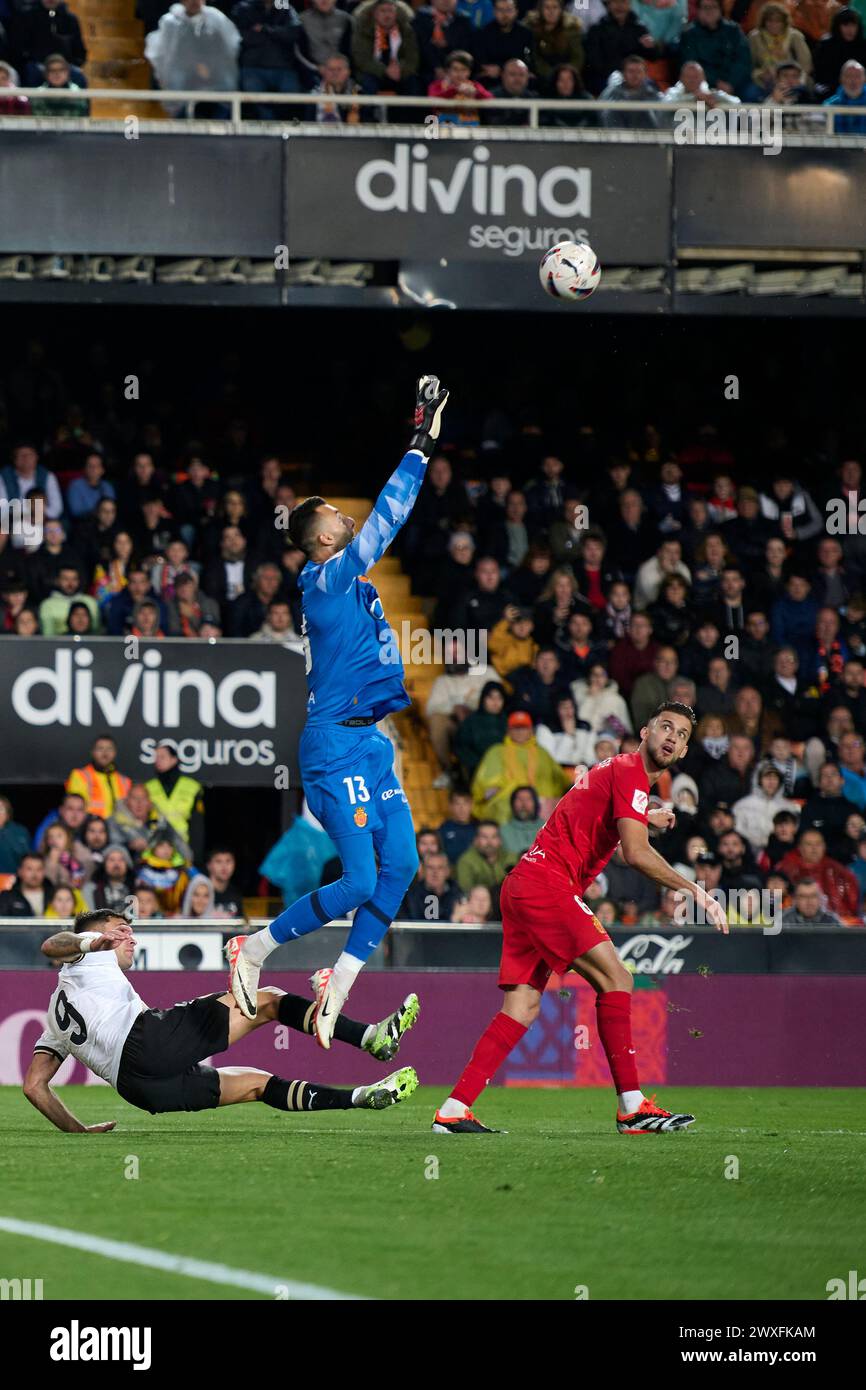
point(582, 833)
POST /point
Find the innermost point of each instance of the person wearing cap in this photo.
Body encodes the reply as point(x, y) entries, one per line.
point(516, 762)
point(746, 533)
point(175, 797)
point(511, 643)
point(99, 783)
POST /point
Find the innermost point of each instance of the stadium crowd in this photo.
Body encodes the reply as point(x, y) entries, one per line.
point(719, 52)
point(589, 589)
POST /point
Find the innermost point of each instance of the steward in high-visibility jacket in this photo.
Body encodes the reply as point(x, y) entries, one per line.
point(101, 787)
point(176, 798)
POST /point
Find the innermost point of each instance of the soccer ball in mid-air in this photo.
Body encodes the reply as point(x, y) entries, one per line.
point(570, 271)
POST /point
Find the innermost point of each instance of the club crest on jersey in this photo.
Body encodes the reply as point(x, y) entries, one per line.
point(639, 802)
point(360, 818)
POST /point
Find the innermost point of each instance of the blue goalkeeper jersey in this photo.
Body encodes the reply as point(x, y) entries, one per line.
point(353, 663)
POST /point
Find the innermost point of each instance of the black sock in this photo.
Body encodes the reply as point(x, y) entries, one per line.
point(304, 1095)
point(297, 1012)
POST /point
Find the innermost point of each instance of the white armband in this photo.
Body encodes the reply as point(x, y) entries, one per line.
point(86, 940)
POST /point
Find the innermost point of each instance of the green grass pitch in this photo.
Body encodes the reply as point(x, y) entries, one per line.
point(344, 1200)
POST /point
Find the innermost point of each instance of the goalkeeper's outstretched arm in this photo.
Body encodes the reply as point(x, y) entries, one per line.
point(397, 498)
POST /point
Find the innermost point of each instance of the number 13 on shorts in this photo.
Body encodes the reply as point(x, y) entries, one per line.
point(356, 790)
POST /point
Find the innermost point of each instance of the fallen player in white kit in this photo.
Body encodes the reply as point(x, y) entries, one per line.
point(154, 1057)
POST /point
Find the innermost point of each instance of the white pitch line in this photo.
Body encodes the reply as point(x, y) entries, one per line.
point(269, 1284)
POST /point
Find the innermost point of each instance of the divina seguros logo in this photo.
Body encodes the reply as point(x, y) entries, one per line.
point(475, 183)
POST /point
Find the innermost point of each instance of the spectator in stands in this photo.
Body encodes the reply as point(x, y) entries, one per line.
point(14, 840)
point(189, 611)
point(633, 654)
point(457, 85)
point(54, 611)
point(830, 586)
point(838, 884)
point(774, 41)
point(511, 643)
point(828, 809)
point(566, 84)
point(566, 534)
point(720, 46)
point(852, 80)
point(807, 909)
point(65, 860)
point(29, 894)
point(99, 783)
point(850, 692)
point(145, 620)
point(556, 39)
point(59, 77)
point(619, 35)
point(599, 701)
point(166, 870)
point(195, 48)
point(481, 729)
point(507, 537)
point(513, 85)
point(852, 765)
point(166, 568)
point(790, 88)
point(789, 508)
point(453, 696)
point(227, 898)
point(277, 626)
point(198, 898)
point(730, 778)
point(517, 761)
point(326, 32)
point(65, 903)
point(113, 882)
point(500, 40)
point(132, 819)
point(486, 861)
point(668, 560)
point(477, 906)
point(478, 12)
point(196, 499)
point(441, 30)
point(672, 615)
point(792, 620)
point(547, 493)
point(120, 611)
point(145, 903)
point(270, 31)
point(25, 472)
point(11, 102)
point(538, 688)
point(664, 21)
point(14, 601)
point(520, 830)
point(754, 814)
point(632, 85)
point(337, 80)
point(248, 611)
point(717, 696)
point(85, 492)
point(42, 31)
point(142, 483)
point(385, 48)
point(482, 606)
point(226, 578)
point(434, 895)
point(457, 832)
point(577, 648)
point(844, 42)
point(176, 798)
point(569, 741)
point(783, 838)
point(651, 688)
point(632, 536)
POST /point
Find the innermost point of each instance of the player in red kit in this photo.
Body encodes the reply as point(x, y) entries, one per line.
point(547, 927)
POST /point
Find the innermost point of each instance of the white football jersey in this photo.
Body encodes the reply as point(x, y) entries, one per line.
point(90, 1014)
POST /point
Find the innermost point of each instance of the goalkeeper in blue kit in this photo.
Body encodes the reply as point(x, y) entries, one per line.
point(354, 677)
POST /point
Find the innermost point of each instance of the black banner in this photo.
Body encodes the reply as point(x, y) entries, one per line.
point(792, 199)
point(235, 709)
point(476, 200)
point(162, 195)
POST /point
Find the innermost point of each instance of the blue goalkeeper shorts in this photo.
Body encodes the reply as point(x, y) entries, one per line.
point(348, 778)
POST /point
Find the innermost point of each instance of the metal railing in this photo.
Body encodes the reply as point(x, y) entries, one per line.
point(824, 117)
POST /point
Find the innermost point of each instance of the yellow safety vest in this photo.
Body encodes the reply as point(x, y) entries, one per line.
point(177, 808)
point(99, 789)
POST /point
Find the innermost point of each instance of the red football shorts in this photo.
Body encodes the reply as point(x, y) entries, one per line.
point(545, 926)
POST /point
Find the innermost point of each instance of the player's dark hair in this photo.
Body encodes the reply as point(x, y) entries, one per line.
point(302, 523)
point(675, 707)
point(96, 918)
